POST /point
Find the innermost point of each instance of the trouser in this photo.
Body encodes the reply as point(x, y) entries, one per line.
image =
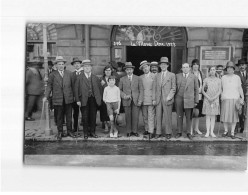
point(132, 117)
point(89, 116)
point(60, 111)
point(32, 100)
point(103, 112)
point(75, 109)
point(180, 111)
point(164, 110)
point(148, 112)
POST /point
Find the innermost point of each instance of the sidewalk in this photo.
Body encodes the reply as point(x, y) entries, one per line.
point(35, 131)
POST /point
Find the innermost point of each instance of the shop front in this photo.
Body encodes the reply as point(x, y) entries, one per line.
point(138, 43)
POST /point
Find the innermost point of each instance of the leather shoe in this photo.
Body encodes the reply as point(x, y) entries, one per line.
point(225, 134)
point(59, 136)
point(93, 135)
point(157, 136)
point(189, 136)
point(168, 136)
point(29, 119)
point(178, 135)
point(232, 136)
point(134, 134)
point(128, 134)
point(71, 135)
point(146, 133)
point(151, 135)
point(64, 135)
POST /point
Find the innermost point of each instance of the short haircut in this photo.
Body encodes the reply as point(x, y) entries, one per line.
point(111, 77)
point(212, 66)
point(195, 61)
point(218, 66)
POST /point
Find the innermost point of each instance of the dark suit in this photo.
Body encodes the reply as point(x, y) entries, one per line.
point(88, 92)
point(243, 84)
point(62, 97)
point(75, 107)
point(135, 89)
point(34, 88)
point(187, 95)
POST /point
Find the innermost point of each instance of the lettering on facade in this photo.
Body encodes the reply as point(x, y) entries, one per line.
point(145, 43)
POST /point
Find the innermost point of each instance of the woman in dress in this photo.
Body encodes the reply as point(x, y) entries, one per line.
point(211, 105)
point(197, 112)
point(107, 72)
point(232, 96)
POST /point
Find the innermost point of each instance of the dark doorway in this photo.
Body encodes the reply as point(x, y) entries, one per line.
point(137, 54)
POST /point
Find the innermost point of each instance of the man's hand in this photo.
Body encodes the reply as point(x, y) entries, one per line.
point(195, 104)
point(117, 111)
point(102, 82)
point(44, 99)
point(154, 102)
point(168, 98)
point(139, 103)
point(79, 104)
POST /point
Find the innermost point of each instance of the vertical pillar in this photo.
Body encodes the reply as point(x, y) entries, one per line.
point(48, 130)
point(87, 41)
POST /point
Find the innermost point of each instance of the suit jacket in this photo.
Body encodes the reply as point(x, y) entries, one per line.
point(243, 80)
point(74, 79)
point(191, 91)
point(168, 87)
point(34, 82)
point(134, 88)
point(148, 83)
point(81, 93)
point(60, 87)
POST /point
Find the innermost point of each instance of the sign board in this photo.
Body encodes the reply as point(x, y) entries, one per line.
point(213, 56)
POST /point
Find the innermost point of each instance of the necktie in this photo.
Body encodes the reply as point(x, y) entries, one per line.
point(130, 78)
point(62, 73)
point(185, 75)
point(88, 75)
point(243, 74)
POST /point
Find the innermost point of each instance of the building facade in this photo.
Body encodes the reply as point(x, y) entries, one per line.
point(105, 43)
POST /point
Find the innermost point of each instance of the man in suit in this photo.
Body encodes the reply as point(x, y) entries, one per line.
point(60, 84)
point(163, 97)
point(154, 68)
point(186, 98)
point(242, 73)
point(77, 63)
point(132, 95)
point(88, 96)
point(148, 109)
point(34, 88)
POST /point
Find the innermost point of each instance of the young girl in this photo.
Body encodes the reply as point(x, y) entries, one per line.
point(112, 99)
point(211, 105)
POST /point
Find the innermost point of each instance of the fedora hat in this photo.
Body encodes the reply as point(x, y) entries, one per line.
point(241, 61)
point(75, 59)
point(154, 63)
point(87, 62)
point(164, 60)
point(59, 59)
point(143, 63)
point(128, 65)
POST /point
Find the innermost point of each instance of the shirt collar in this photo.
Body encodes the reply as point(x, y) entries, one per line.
point(86, 74)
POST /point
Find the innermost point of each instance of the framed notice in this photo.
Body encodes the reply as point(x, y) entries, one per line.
point(214, 55)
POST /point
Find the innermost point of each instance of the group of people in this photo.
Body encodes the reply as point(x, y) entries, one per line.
point(154, 94)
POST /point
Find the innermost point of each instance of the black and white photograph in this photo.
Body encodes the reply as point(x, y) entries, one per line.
point(124, 95)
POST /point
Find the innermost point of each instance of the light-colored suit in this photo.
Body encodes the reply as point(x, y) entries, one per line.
point(185, 99)
point(164, 88)
point(135, 89)
point(148, 110)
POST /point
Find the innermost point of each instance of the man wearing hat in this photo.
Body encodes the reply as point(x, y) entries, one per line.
point(148, 109)
point(88, 96)
point(34, 88)
point(186, 98)
point(242, 73)
point(60, 84)
point(132, 95)
point(163, 97)
point(77, 63)
point(154, 68)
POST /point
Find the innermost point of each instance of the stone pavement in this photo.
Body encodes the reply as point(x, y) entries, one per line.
point(34, 130)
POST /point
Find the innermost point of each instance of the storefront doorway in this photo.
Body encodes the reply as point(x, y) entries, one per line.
point(138, 43)
point(138, 54)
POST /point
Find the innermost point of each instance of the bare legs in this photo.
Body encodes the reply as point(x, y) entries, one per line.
point(210, 122)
